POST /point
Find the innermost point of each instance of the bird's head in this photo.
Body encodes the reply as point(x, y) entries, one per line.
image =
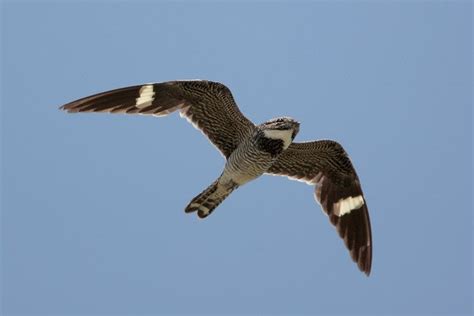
point(284, 128)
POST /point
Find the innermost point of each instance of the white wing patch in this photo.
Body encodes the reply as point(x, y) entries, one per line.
point(284, 135)
point(146, 97)
point(345, 206)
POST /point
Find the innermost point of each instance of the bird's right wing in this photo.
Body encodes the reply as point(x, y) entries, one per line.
point(325, 164)
point(208, 105)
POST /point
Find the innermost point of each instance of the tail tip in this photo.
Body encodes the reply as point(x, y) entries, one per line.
point(202, 211)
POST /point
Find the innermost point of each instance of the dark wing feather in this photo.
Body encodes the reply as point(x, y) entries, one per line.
point(208, 105)
point(326, 164)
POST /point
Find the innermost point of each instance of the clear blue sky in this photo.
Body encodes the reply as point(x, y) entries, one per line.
point(92, 204)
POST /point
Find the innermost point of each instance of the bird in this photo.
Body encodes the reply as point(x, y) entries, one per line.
point(251, 151)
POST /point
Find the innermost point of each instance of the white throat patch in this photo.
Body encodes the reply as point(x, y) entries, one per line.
point(284, 135)
point(345, 206)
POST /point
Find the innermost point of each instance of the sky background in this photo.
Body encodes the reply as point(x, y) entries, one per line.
point(92, 219)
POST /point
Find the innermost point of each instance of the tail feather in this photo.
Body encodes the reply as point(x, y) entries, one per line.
point(205, 202)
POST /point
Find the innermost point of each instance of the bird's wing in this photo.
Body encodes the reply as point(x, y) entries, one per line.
point(208, 105)
point(326, 164)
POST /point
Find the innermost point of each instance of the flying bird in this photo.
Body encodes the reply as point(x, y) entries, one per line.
point(251, 151)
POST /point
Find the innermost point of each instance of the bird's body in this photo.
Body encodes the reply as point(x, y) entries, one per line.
point(251, 151)
point(257, 153)
point(251, 159)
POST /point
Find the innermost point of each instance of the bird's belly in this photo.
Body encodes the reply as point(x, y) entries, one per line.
point(242, 178)
point(242, 171)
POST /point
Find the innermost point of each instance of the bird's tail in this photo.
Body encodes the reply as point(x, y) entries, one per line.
point(205, 202)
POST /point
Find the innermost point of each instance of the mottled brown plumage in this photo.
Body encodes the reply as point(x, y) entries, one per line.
point(250, 151)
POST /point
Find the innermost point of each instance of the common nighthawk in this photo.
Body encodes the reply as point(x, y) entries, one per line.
point(251, 151)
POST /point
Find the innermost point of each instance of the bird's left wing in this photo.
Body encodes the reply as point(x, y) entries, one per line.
point(326, 164)
point(208, 105)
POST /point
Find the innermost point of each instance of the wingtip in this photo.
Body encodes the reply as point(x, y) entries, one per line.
point(65, 108)
point(365, 262)
point(367, 271)
point(366, 268)
point(69, 108)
